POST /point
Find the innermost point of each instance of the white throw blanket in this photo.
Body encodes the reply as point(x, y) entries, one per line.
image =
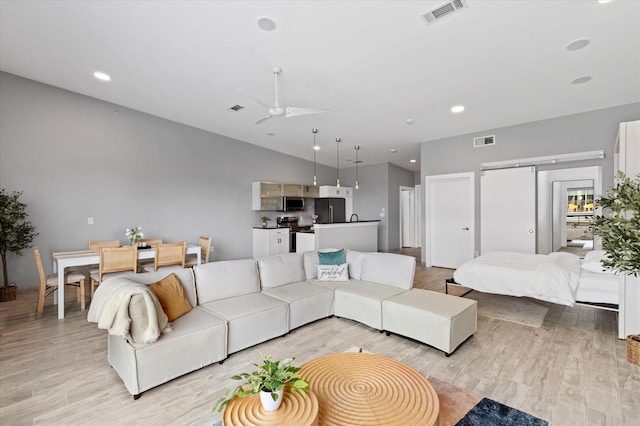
point(110, 309)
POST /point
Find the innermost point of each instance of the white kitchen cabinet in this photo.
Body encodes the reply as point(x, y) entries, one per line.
point(267, 196)
point(335, 191)
point(269, 242)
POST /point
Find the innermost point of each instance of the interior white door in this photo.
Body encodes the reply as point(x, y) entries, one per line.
point(449, 219)
point(407, 214)
point(508, 210)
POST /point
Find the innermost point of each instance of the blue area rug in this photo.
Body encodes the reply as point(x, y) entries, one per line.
point(491, 413)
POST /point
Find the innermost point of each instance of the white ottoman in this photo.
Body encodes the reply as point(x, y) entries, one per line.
point(436, 319)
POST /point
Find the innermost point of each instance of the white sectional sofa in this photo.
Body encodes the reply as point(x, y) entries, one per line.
point(240, 303)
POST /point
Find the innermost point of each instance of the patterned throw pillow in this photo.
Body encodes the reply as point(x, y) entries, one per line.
point(333, 272)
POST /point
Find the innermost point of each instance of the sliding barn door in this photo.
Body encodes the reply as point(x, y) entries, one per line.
point(508, 210)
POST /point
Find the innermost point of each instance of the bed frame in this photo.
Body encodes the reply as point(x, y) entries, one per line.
point(603, 306)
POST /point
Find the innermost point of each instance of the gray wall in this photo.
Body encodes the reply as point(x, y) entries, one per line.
point(76, 157)
point(573, 133)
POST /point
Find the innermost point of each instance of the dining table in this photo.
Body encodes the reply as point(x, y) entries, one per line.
point(67, 259)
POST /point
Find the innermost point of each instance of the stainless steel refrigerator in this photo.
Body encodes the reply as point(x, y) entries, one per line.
point(330, 210)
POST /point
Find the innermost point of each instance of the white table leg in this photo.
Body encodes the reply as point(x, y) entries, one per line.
point(60, 293)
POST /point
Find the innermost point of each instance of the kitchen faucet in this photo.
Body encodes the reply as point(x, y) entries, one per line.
point(351, 218)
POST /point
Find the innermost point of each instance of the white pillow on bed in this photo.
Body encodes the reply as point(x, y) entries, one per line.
point(593, 263)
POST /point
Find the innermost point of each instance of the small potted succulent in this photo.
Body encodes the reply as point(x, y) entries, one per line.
point(269, 380)
point(264, 220)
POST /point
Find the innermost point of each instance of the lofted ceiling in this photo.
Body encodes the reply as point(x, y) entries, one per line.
point(374, 64)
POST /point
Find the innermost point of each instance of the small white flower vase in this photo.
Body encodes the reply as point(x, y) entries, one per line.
point(267, 400)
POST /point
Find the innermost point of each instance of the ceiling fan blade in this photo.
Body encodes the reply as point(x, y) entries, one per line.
point(295, 112)
point(257, 100)
point(262, 120)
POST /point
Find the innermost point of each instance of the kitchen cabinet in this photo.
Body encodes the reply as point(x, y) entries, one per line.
point(335, 191)
point(310, 191)
point(270, 241)
point(292, 190)
point(267, 196)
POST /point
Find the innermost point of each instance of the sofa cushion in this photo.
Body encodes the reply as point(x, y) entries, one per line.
point(281, 269)
point(355, 259)
point(252, 318)
point(307, 301)
point(391, 269)
point(310, 261)
point(332, 257)
point(224, 279)
point(362, 301)
point(170, 293)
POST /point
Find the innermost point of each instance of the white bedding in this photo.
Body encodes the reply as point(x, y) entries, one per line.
point(553, 277)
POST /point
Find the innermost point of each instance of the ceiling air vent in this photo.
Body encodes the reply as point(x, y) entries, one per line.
point(236, 108)
point(445, 9)
point(484, 141)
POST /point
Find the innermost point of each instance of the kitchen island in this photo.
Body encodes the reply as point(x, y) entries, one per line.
point(359, 236)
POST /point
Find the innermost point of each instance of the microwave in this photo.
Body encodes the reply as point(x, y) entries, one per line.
point(293, 204)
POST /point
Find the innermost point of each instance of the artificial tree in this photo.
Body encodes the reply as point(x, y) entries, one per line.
point(16, 234)
point(619, 226)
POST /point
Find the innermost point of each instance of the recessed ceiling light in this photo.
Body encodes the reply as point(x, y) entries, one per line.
point(266, 24)
point(102, 76)
point(581, 80)
point(412, 161)
point(577, 44)
point(604, 1)
point(409, 121)
point(393, 150)
point(317, 147)
point(457, 109)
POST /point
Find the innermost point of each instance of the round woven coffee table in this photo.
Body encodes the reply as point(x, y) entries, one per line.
point(295, 410)
point(366, 389)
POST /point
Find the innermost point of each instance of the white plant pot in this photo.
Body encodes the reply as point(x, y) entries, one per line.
point(267, 400)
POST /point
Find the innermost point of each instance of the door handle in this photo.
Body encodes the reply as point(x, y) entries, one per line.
point(466, 228)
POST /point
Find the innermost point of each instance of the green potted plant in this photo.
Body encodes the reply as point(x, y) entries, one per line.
point(269, 380)
point(16, 234)
point(619, 230)
point(264, 220)
point(619, 226)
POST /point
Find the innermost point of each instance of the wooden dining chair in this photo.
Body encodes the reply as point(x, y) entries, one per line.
point(147, 264)
point(97, 245)
point(171, 254)
point(115, 261)
point(49, 284)
point(205, 249)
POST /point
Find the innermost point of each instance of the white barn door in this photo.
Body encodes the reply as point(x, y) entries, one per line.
point(508, 210)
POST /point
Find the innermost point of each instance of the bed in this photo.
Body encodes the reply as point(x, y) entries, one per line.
point(558, 277)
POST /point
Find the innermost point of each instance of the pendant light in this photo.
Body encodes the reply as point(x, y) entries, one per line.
point(357, 148)
point(338, 140)
point(315, 148)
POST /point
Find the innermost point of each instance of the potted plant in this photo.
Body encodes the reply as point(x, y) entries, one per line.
point(269, 380)
point(16, 234)
point(264, 220)
point(619, 230)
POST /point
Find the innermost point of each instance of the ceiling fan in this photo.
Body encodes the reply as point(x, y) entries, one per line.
point(276, 110)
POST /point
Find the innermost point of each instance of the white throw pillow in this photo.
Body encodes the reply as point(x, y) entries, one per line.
point(333, 272)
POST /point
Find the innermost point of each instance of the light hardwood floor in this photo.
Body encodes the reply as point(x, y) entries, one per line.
point(571, 371)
